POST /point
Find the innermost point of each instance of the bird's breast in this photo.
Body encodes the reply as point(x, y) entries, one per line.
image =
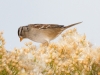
point(37, 36)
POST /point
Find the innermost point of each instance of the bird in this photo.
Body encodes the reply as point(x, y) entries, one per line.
point(42, 33)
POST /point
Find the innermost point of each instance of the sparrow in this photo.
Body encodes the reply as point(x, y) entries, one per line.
point(42, 33)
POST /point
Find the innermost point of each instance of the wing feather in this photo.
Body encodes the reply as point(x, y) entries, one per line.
point(45, 26)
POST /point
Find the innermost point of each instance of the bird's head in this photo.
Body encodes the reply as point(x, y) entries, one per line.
point(22, 32)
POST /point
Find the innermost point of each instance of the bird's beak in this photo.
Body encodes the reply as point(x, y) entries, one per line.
point(21, 39)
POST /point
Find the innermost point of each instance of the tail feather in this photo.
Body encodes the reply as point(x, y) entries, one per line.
point(72, 25)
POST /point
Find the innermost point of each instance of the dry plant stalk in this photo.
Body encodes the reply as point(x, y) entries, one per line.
point(72, 54)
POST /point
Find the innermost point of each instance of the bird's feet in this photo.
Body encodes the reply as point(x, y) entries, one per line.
point(45, 44)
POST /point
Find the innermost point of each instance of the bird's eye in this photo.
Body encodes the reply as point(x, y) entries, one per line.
point(26, 28)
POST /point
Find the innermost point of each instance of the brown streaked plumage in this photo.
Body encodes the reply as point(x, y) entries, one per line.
point(42, 33)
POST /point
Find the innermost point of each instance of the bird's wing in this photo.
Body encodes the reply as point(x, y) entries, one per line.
point(45, 26)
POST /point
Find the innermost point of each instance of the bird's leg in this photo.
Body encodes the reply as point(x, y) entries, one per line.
point(45, 44)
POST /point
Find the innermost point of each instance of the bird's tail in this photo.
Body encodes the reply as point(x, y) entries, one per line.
point(72, 25)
